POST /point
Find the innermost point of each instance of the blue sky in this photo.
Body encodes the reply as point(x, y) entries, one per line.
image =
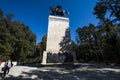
point(34, 13)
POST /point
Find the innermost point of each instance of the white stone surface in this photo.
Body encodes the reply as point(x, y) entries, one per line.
point(57, 27)
point(58, 30)
point(44, 57)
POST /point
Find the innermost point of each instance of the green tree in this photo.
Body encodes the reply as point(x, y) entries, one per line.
point(108, 9)
point(88, 49)
point(108, 31)
point(17, 41)
point(40, 47)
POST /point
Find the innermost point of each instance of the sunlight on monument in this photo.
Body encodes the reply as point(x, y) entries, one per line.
point(58, 48)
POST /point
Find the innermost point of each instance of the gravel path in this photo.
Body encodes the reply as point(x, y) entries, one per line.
point(76, 72)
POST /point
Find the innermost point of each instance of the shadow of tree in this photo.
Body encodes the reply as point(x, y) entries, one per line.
point(65, 55)
point(65, 43)
point(68, 73)
point(59, 57)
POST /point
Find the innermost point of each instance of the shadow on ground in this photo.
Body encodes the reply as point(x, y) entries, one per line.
point(78, 72)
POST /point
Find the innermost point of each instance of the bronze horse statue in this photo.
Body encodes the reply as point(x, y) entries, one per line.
point(58, 11)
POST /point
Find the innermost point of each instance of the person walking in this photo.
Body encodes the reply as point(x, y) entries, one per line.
point(7, 66)
point(5, 69)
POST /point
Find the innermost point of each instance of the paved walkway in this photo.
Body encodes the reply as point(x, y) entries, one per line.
point(76, 72)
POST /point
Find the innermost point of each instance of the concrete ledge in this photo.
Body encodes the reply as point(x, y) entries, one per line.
point(58, 18)
point(58, 64)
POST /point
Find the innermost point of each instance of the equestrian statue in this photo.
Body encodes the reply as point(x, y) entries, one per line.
point(58, 11)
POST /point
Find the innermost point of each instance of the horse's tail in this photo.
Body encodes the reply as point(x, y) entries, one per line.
point(66, 12)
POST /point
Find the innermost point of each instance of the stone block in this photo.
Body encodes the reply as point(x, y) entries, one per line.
point(58, 47)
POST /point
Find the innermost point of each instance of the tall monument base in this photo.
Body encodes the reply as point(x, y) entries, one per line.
point(59, 58)
point(58, 48)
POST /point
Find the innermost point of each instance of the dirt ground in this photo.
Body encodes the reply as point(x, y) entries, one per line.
point(82, 71)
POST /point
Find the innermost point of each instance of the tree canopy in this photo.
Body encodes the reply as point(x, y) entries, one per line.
point(101, 43)
point(17, 41)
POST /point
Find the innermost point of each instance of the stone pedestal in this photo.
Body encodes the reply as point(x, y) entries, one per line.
point(58, 47)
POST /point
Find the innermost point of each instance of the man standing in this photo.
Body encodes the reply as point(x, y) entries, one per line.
point(8, 65)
